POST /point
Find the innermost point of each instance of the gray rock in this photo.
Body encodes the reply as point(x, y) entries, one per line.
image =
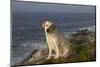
point(36, 57)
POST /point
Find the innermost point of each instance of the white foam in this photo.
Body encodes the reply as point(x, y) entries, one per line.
point(90, 28)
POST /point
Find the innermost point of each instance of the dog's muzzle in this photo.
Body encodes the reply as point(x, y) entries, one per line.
point(48, 30)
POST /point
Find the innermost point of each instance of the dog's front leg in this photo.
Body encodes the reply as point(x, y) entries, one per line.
point(50, 53)
point(57, 53)
point(56, 49)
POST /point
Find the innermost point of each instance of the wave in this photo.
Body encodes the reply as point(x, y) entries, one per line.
point(21, 50)
point(90, 28)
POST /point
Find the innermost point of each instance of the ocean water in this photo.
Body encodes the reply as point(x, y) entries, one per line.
point(28, 34)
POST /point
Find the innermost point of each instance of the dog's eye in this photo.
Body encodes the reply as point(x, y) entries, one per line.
point(46, 25)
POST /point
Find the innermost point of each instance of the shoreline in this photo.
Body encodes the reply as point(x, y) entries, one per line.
point(76, 38)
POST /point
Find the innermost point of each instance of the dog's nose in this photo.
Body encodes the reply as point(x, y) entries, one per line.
point(48, 30)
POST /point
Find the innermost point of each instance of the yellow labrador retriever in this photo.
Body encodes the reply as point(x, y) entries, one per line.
point(56, 41)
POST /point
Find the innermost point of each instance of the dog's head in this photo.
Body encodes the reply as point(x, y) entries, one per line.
point(48, 26)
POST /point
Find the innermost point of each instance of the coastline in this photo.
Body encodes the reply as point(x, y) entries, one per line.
point(81, 41)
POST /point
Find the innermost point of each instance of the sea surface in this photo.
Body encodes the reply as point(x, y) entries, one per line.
point(28, 34)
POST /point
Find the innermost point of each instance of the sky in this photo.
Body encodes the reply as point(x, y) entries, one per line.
point(47, 7)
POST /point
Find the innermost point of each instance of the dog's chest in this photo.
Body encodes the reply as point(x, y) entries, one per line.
point(51, 39)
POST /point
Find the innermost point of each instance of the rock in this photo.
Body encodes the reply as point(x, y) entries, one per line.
point(37, 56)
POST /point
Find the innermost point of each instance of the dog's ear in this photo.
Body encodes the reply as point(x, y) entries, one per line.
point(53, 26)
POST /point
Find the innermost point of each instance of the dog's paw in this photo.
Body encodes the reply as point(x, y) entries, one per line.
point(56, 57)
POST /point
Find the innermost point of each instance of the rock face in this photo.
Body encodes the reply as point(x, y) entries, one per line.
point(36, 57)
